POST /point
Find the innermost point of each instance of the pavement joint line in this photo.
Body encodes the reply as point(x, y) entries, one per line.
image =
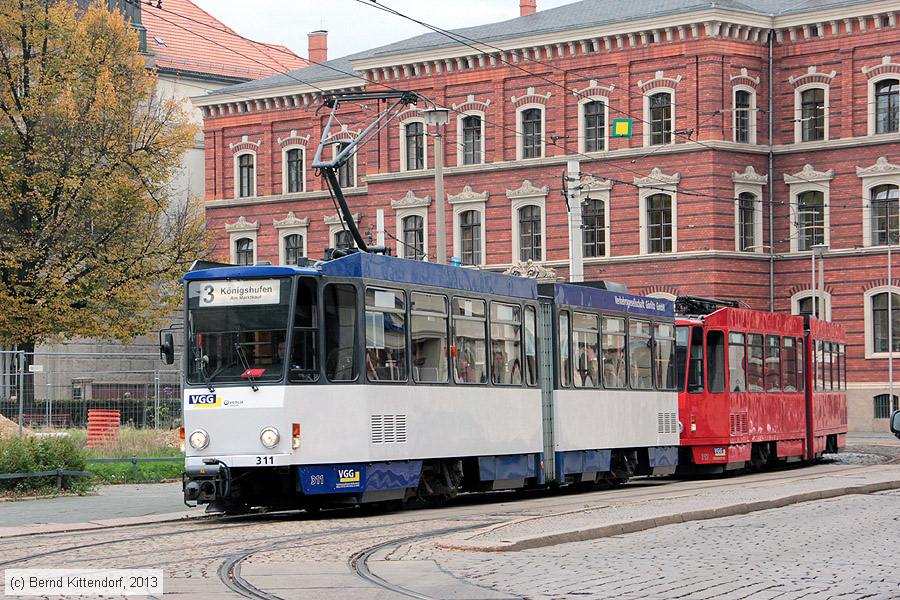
point(636, 525)
point(30, 530)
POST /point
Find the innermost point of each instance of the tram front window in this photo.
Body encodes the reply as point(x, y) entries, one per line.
point(237, 330)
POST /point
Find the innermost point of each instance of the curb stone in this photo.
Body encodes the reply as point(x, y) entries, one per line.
point(467, 543)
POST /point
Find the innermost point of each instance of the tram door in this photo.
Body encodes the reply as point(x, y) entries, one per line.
point(717, 407)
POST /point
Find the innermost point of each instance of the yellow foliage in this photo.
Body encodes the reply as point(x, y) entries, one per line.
point(92, 241)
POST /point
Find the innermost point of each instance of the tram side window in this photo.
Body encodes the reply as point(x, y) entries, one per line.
point(428, 333)
point(586, 341)
point(715, 370)
point(832, 371)
point(639, 355)
point(469, 350)
point(506, 344)
point(789, 363)
point(695, 362)
point(737, 362)
point(773, 363)
point(613, 352)
point(530, 346)
point(682, 332)
point(844, 366)
point(385, 335)
point(305, 352)
point(664, 355)
point(836, 361)
point(801, 368)
point(339, 302)
point(755, 360)
point(565, 376)
point(817, 363)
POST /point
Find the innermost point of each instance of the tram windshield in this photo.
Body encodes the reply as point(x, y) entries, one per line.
point(237, 330)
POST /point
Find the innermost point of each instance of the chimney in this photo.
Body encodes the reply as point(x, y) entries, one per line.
point(318, 46)
point(527, 7)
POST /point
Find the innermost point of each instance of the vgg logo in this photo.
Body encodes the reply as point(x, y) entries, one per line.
point(348, 475)
point(203, 400)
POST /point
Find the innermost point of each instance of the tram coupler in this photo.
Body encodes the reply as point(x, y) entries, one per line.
point(207, 483)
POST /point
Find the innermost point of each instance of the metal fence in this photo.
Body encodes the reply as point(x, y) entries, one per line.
point(56, 389)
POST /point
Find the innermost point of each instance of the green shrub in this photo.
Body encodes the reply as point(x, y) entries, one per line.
point(30, 454)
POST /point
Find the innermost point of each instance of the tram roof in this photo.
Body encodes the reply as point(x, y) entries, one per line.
point(249, 271)
point(591, 297)
point(378, 267)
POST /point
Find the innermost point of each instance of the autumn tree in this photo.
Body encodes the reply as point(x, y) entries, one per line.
point(92, 240)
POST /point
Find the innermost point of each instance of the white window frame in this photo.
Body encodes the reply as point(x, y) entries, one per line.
point(663, 296)
point(798, 111)
point(795, 190)
point(403, 150)
point(242, 228)
point(757, 191)
point(520, 131)
point(400, 215)
point(460, 146)
point(332, 231)
point(868, 183)
point(647, 122)
point(469, 200)
point(871, 103)
point(804, 294)
point(752, 119)
point(582, 120)
point(599, 192)
point(290, 226)
point(334, 153)
point(644, 194)
point(237, 175)
point(868, 324)
point(284, 168)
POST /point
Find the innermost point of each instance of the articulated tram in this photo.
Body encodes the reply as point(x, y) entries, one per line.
point(369, 378)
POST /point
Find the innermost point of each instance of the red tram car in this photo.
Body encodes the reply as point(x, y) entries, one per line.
point(757, 387)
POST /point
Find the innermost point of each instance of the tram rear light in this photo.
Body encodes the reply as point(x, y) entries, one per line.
point(295, 436)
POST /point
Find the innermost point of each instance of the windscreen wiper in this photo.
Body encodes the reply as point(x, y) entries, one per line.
point(204, 360)
point(246, 365)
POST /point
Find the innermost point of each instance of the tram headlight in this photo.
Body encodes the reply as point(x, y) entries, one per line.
point(199, 439)
point(269, 437)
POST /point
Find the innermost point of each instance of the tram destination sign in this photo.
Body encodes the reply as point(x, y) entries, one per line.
point(240, 293)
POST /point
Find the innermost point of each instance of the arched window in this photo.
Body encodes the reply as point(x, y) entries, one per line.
point(246, 175)
point(343, 240)
point(660, 118)
point(659, 223)
point(415, 146)
point(294, 166)
point(530, 238)
point(471, 134)
point(293, 248)
point(810, 219)
point(470, 237)
point(347, 173)
point(742, 107)
point(532, 133)
point(746, 222)
point(243, 252)
point(882, 329)
point(812, 114)
point(885, 200)
point(413, 237)
point(594, 227)
point(594, 126)
point(887, 106)
point(805, 307)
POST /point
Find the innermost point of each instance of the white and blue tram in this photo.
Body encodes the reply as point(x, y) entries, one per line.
point(369, 378)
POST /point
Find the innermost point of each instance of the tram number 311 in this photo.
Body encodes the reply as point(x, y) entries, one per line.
point(265, 460)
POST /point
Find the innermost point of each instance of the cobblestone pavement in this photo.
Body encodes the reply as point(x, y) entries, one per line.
point(838, 548)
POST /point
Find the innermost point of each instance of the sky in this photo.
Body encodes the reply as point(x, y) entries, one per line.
point(351, 26)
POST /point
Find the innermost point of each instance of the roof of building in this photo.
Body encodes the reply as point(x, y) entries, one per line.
point(181, 36)
point(578, 15)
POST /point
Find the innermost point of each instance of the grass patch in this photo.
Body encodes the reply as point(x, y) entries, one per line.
point(106, 473)
point(30, 454)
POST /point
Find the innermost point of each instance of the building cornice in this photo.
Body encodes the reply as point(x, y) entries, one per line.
point(274, 199)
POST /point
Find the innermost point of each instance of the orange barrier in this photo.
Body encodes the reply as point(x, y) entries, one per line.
point(103, 427)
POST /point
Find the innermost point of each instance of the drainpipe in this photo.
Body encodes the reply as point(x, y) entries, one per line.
point(771, 120)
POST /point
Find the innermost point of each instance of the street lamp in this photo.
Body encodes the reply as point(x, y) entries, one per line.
point(818, 250)
point(438, 117)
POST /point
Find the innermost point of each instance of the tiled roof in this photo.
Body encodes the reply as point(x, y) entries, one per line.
point(578, 15)
point(184, 37)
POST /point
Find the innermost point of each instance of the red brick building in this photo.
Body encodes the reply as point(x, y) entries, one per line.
point(721, 190)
